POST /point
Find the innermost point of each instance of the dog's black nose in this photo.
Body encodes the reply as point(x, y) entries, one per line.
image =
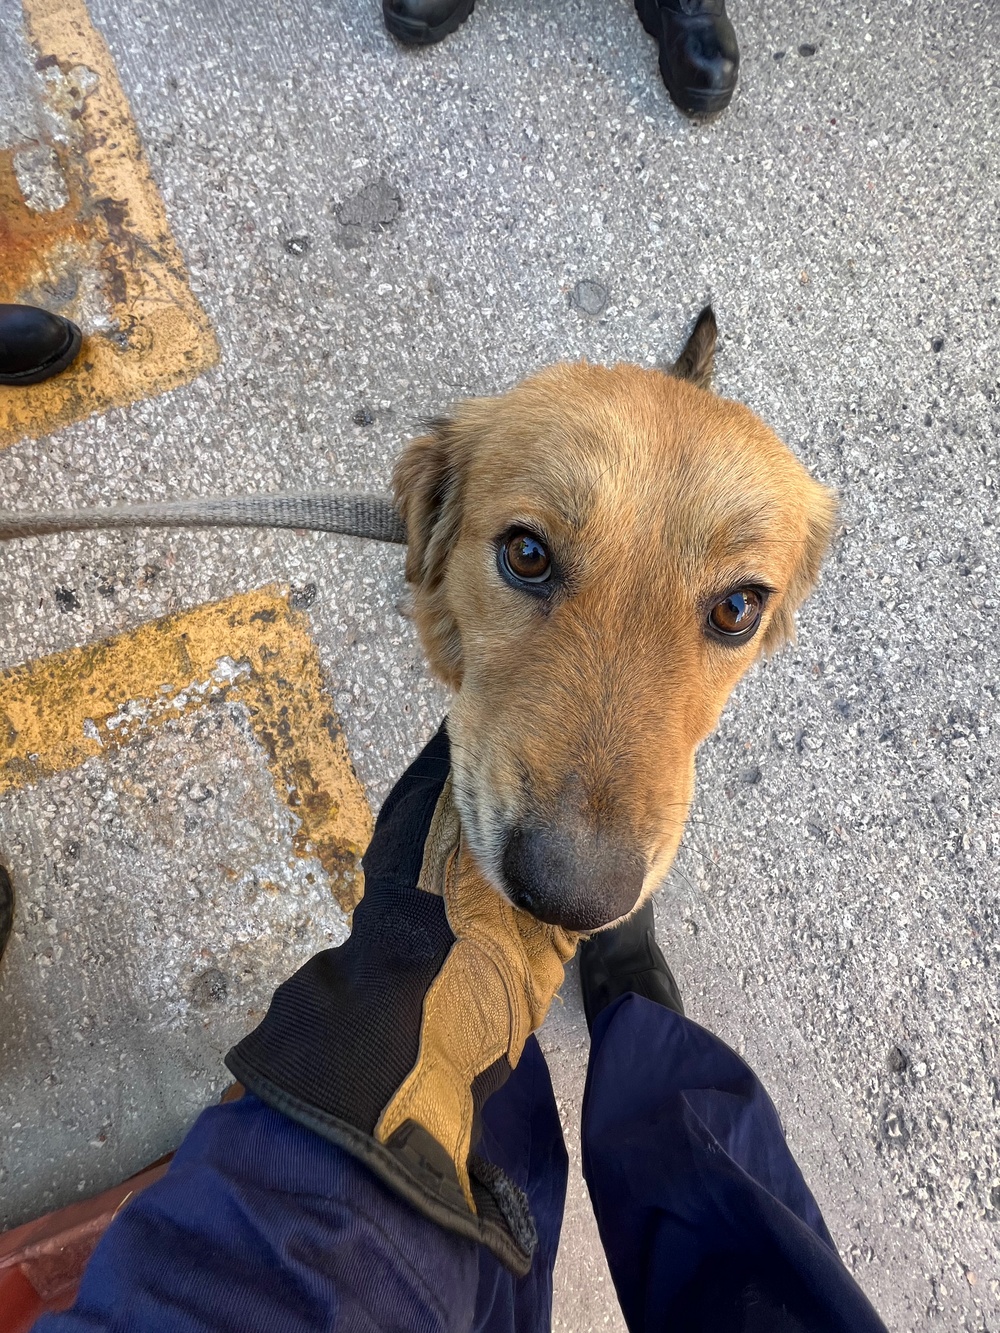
point(579, 882)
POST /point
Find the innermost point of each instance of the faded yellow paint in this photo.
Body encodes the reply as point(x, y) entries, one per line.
point(110, 243)
point(252, 648)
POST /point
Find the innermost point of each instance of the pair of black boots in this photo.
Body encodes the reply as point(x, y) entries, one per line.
point(699, 56)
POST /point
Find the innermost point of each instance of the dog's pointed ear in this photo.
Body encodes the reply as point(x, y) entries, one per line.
point(697, 361)
point(820, 525)
point(427, 485)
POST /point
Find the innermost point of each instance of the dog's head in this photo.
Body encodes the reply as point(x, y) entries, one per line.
point(596, 558)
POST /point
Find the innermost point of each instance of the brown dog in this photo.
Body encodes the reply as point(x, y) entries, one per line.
point(596, 559)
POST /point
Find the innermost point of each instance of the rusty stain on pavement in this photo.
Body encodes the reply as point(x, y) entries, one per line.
point(251, 649)
point(91, 241)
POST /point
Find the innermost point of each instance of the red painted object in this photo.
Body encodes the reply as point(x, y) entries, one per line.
point(41, 1263)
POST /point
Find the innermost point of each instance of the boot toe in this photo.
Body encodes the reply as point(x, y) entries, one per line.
point(34, 344)
point(626, 960)
point(422, 22)
point(699, 61)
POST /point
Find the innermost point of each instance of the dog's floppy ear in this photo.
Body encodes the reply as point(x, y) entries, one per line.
point(697, 360)
point(427, 484)
point(821, 520)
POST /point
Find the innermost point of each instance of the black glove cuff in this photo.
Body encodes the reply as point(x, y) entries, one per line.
point(415, 1166)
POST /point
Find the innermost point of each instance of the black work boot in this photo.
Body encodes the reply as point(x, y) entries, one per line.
point(699, 55)
point(6, 908)
point(627, 958)
point(34, 344)
point(421, 22)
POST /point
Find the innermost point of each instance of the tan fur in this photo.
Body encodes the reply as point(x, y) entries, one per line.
point(655, 496)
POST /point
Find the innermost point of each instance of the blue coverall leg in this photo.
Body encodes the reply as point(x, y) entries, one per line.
point(262, 1226)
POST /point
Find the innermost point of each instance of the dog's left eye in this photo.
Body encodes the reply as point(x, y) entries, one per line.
point(525, 559)
point(737, 615)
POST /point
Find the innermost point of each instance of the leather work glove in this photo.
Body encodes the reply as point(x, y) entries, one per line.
point(390, 1044)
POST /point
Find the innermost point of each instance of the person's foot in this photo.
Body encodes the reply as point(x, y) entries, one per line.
point(626, 959)
point(34, 345)
point(699, 54)
point(421, 22)
point(6, 908)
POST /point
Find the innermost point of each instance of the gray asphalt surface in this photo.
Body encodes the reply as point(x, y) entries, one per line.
point(375, 232)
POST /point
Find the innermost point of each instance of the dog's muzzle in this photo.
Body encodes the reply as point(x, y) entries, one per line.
point(579, 882)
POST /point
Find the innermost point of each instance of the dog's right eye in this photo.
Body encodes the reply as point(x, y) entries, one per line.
point(525, 559)
point(736, 616)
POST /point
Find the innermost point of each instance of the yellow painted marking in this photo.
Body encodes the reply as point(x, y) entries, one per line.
point(109, 246)
point(253, 648)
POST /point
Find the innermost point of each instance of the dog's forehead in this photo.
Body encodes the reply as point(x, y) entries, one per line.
point(601, 452)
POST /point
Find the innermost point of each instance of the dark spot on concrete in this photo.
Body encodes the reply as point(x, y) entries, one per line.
point(751, 776)
point(298, 245)
point(897, 1061)
point(8, 732)
point(303, 595)
point(72, 851)
point(928, 419)
point(807, 49)
point(114, 210)
point(589, 297)
point(210, 987)
point(375, 206)
point(265, 617)
point(364, 416)
point(63, 289)
point(937, 344)
point(46, 62)
point(67, 599)
point(779, 55)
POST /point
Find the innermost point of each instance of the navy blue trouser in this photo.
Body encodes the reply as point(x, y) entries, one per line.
point(261, 1226)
